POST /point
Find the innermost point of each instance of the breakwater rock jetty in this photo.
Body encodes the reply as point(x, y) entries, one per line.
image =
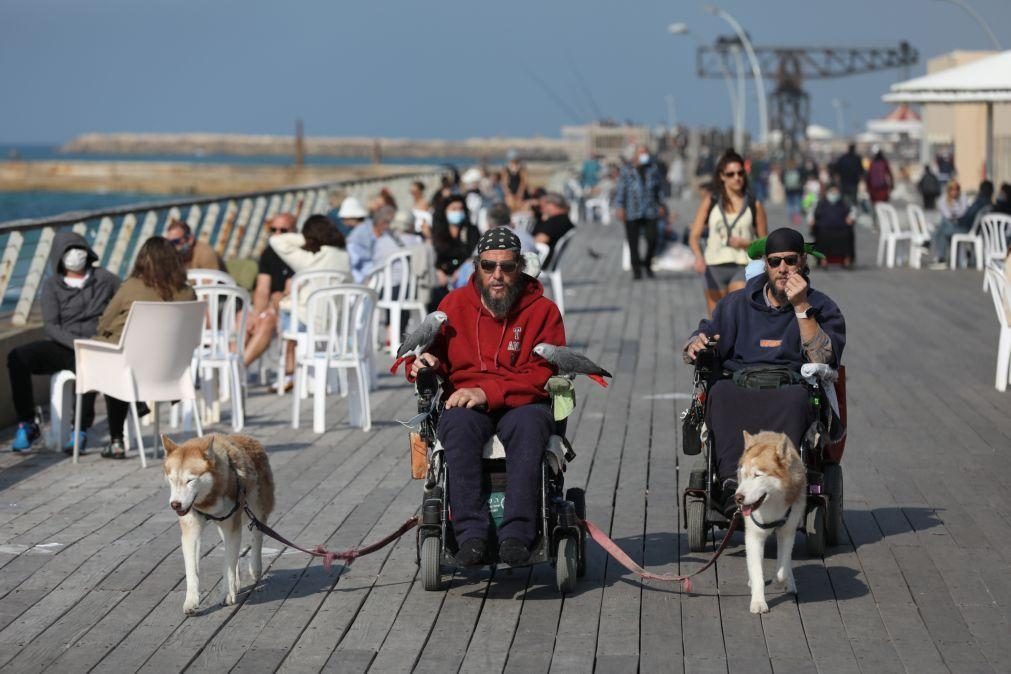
point(538, 149)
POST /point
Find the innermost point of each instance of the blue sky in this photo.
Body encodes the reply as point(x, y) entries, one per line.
point(448, 69)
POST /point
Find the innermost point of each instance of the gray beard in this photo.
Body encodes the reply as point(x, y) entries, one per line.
point(501, 307)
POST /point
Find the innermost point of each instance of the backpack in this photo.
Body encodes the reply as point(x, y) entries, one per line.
point(930, 185)
point(749, 203)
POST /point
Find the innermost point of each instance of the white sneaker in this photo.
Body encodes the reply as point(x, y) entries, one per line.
point(938, 265)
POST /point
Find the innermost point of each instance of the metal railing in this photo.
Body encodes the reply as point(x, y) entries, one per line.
point(232, 224)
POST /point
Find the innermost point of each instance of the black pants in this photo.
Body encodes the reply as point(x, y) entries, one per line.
point(733, 410)
point(42, 357)
point(117, 410)
point(524, 431)
point(633, 228)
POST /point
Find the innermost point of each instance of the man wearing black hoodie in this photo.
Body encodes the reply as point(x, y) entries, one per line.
point(777, 320)
point(73, 299)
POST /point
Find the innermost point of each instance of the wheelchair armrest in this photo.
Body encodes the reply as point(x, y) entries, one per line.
point(818, 373)
point(427, 383)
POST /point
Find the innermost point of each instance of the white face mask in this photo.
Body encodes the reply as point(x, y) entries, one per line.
point(644, 159)
point(75, 259)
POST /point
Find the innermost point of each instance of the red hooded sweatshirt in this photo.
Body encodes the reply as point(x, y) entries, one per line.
point(475, 349)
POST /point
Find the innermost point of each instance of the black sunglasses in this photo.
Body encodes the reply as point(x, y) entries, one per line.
point(507, 267)
point(178, 242)
point(279, 230)
point(734, 174)
point(790, 260)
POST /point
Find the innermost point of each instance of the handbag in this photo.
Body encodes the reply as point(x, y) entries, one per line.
point(766, 377)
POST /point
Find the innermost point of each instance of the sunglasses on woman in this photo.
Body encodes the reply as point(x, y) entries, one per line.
point(507, 267)
point(734, 174)
point(790, 260)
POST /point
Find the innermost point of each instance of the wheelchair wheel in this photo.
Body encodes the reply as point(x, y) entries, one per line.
point(431, 563)
point(833, 486)
point(696, 524)
point(577, 497)
point(566, 564)
point(814, 525)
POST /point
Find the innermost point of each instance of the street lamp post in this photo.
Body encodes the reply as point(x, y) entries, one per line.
point(982, 24)
point(756, 70)
point(736, 103)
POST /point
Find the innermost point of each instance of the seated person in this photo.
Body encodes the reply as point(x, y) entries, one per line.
point(495, 385)
point(499, 215)
point(73, 299)
point(776, 320)
point(271, 284)
point(832, 227)
point(195, 254)
point(158, 276)
point(554, 223)
point(941, 241)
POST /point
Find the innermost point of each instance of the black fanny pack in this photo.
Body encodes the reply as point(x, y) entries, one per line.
point(766, 376)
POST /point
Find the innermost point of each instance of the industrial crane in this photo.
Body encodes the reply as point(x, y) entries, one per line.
point(790, 105)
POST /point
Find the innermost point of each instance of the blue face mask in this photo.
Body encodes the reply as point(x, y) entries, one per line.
point(832, 197)
point(455, 217)
point(644, 159)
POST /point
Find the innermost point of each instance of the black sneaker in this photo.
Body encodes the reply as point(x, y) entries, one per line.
point(513, 552)
point(472, 552)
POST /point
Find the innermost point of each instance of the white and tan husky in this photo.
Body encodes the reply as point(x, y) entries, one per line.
point(773, 497)
point(211, 478)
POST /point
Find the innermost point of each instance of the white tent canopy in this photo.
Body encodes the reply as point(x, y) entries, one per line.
point(987, 80)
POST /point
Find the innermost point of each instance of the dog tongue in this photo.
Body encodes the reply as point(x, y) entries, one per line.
point(746, 510)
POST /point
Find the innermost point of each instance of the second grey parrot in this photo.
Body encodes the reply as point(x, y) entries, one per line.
point(570, 362)
point(421, 339)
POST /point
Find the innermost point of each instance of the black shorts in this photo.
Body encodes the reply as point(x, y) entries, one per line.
point(720, 276)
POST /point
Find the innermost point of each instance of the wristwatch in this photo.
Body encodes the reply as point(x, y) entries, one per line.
point(810, 312)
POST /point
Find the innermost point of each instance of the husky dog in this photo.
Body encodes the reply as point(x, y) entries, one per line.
point(772, 496)
point(211, 479)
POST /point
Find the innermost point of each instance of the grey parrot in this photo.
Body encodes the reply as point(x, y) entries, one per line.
point(420, 340)
point(570, 363)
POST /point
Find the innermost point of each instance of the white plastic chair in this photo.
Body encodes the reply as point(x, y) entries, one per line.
point(302, 284)
point(61, 398)
point(553, 270)
point(399, 291)
point(151, 362)
point(338, 337)
point(222, 345)
point(598, 209)
point(1000, 291)
point(543, 250)
point(198, 277)
point(890, 235)
point(919, 231)
point(994, 229)
point(972, 239)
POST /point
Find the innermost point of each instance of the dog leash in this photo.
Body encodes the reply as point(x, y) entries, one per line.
point(619, 555)
point(348, 556)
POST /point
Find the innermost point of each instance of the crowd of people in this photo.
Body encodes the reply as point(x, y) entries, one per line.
point(81, 300)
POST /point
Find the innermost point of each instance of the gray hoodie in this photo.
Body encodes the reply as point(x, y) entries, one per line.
point(73, 313)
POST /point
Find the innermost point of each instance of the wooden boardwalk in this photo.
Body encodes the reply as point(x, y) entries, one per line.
point(92, 577)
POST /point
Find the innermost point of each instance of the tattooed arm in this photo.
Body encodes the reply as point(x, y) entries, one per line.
point(818, 348)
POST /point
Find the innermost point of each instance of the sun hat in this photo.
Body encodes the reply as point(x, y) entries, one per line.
point(352, 208)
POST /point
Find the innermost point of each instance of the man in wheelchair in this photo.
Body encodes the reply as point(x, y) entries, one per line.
point(763, 334)
point(494, 384)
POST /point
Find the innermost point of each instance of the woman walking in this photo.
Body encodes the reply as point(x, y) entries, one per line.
point(733, 219)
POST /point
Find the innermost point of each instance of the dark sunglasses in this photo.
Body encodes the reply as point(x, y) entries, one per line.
point(279, 230)
point(178, 242)
point(790, 260)
point(507, 267)
point(734, 174)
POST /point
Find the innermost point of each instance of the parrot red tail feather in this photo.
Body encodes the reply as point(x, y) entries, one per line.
point(599, 379)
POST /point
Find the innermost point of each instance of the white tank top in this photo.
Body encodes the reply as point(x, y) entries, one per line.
point(722, 226)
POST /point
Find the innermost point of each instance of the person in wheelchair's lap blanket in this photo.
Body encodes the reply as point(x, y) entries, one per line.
point(495, 385)
point(777, 322)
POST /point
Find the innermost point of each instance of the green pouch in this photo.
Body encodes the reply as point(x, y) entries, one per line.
point(563, 396)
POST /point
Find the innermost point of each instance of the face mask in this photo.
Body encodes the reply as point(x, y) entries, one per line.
point(644, 159)
point(75, 259)
point(455, 217)
point(832, 197)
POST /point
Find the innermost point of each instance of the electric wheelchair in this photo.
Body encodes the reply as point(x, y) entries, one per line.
point(821, 450)
point(561, 535)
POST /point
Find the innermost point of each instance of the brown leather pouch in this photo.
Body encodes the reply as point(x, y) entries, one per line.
point(419, 456)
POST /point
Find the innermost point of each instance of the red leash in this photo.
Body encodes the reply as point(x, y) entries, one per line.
point(348, 556)
point(611, 548)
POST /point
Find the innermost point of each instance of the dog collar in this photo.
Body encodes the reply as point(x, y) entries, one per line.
point(771, 525)
point(238, 498)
